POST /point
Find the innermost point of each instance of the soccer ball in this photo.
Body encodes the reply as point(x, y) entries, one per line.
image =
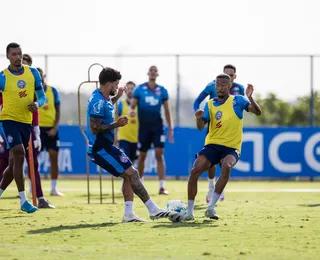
point(177, 206)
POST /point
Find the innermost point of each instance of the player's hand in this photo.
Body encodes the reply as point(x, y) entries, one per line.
point(122, 121)
point(199, 114)
point(121, 90)
point(132, 113)
point(249, 90)
point(116, 142)
point(33, 107)
point(52, 132)
point(170, 136)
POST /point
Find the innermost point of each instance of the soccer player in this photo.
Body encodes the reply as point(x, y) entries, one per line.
point(100, 132)
point(224, 140)
point(18, 83)
point(49, 117)
point(149, 97)
point(210, 90)
point(127, 139)
point(36, 146)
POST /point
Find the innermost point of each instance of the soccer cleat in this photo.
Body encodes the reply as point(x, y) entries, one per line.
point(56, 193)
point(163, 191)
point(209, 196)
point(45, 204)
point(221, 197)
point(28, 207)
point(212, 214)
point(163, 213)
point(132, 218)
point(188, 217)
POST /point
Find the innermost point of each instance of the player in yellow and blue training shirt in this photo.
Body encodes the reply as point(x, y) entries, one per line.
point(210, 90)
point(101, 148)
point(150, 97)
point(18, 83)
point(224, 140)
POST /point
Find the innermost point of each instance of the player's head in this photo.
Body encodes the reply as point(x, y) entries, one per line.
point(14, 54)
point(223, 85)
point(27, 59)
point(42, 75)
point(130, 86)
point(231, 71)
point(153, 73)
point(109, 80)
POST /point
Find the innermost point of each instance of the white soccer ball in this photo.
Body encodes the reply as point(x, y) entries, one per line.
point(177, 206)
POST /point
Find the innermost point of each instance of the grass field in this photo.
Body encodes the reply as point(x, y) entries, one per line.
point(259, 220)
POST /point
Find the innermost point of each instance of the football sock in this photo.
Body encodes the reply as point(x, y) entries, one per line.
point(214, 200)
point(190, 207)
point(161, 182)
point(211, 184)
point(53, 185)
point(128, 208)
point(23, 197)
point(151, 206)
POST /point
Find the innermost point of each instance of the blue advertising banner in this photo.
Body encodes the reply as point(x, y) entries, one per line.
point(266, 152)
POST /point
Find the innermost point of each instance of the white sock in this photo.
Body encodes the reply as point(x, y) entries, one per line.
point(161, 182)
point(41, 198)
point(214, 200)
point(23, 197)
point(151, 206)
point(128, 208)
point(53, 185)
point(190, 207)
point(1, 191)
point(142, 179)
point(211, 184)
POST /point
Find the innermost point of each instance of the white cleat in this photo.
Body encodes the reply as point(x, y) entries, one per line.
point(188, 217)
point(212, 214)
point(163, 213)
point(56, 193)
point(132, 218)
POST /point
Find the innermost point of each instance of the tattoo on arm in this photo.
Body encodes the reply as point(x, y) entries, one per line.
point(254, 107)
point(115, 99)
point(96, 127)
point(138, 187)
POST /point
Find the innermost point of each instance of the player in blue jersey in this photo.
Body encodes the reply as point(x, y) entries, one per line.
point(149, 97)
point(101, 148)
point(210, 90)
point(18, 83)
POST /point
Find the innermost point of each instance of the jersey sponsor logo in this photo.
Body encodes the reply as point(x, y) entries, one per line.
point(124, 158)
point(97, 107)
point(218, 125)
point(218, 115)
point(23, 93)
point(152, 101)
point(21, 84)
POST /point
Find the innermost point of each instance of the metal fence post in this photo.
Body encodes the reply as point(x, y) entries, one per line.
point(311, 92)
point(177, 123)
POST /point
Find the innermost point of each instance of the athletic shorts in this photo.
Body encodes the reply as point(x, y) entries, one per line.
point(49, 142)
point(16, 133)
point(149, 137)
point(130, 149)
point(111, 159)
point(215, 153)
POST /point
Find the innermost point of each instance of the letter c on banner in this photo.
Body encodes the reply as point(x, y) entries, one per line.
point(309, 154)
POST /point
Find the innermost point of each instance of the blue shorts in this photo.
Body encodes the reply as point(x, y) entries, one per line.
point(147, 137)
point(130, 149)
point(111, 159)
point(49, 142)
point(215, 153)
point(16, 133)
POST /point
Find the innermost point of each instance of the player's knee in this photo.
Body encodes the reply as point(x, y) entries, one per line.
point(196, 171)
point(227, 165)
point(142, 156)
point(131, 173)
point(159, 157)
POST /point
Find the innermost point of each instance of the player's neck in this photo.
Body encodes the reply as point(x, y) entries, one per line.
point(222, 99)
point(129, 100)
point(105, 92)
point(15, 68)
point(152, 84)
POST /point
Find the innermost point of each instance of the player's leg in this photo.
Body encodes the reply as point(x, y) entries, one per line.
point(7, 177)
point(211, 183)
point(227, 163)
point(143, 146)
point(4, 162)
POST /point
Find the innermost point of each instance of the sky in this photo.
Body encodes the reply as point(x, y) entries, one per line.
point(233, 27)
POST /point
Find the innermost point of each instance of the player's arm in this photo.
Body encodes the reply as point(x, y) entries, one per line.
point(96, 126)
point(41, 97)
point(2, 81)
point(134, 101)
point(253, 107)
point(202, 117)
point(57, 108)
point(167, 114)
point(115, 99)
point(118, 112)
point(202, 96)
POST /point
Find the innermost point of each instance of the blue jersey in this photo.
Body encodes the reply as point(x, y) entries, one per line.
point(149, 105)
point(210, 90)
point(240, 103)
point(99, 107)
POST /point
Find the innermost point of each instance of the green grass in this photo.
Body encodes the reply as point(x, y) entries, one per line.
point(253, 225)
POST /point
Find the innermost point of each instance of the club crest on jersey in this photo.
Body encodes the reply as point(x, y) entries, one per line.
point(10, 139)
point(157, 91)
point(218, 115)
point(124, 158)
point(21, 84)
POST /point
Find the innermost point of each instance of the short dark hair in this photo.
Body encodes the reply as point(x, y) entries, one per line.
point(40, 70)
point(230, 66)
point(153, 66)
point(12, 45)
point(223, 76)
point(109, 75)
point(27, 58)
point(131, 83)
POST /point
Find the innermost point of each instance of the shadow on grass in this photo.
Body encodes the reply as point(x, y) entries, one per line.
point(196, 207)
point(9, 198)
point(73, 227)
point(310, 205)
point(203, 224)
point(16, 216)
